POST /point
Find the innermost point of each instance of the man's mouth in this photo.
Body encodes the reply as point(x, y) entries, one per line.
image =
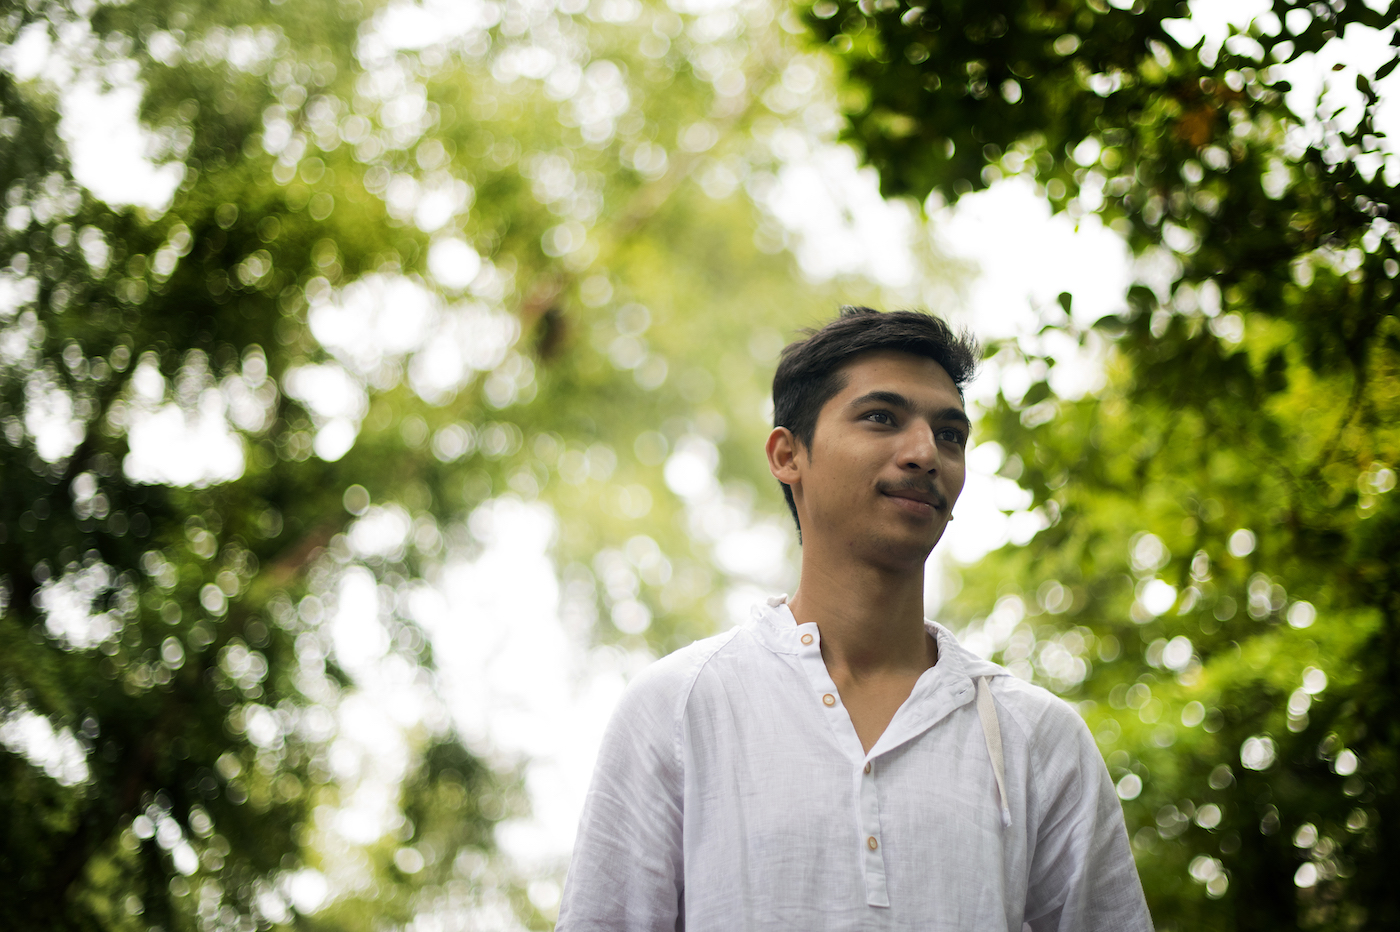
point(920, 492)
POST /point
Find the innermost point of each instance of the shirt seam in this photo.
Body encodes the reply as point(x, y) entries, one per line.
point(683, 700)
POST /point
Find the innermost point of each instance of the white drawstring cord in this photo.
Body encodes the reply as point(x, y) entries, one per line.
point(991, 730)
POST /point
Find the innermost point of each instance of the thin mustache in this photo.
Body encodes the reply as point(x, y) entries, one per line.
point(924, 488)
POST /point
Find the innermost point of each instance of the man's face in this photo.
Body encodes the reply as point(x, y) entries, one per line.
point(886, 463)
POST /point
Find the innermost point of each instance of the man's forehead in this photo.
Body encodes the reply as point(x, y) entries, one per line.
point(859, 372)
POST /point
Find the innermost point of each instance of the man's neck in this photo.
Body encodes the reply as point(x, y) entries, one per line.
point(870, 617)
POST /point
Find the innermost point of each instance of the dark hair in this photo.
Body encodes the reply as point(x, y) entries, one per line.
point(809, 374)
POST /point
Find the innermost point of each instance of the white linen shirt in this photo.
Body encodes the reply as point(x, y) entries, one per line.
point(732, 793)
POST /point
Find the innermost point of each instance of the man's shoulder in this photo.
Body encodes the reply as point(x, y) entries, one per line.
point(1045, 719)
point(669, 681)
point(1033, 710)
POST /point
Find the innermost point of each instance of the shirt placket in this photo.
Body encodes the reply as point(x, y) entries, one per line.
point(867, 809)
point(873, 849)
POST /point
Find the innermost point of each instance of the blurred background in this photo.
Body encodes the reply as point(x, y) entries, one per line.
point(383, 384)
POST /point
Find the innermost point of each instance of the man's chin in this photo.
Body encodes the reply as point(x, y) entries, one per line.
point(903, 550)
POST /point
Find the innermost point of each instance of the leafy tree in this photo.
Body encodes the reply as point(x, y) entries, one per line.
point(1217, 582)
point(417, 260)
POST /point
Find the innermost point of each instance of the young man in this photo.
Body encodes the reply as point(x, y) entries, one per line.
point(838, 762)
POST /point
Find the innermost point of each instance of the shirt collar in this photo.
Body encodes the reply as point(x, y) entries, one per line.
point(777, 629)
point(961, 661)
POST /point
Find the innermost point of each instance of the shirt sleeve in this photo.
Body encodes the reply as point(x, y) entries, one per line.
point(626, 874)
point(1082, 874)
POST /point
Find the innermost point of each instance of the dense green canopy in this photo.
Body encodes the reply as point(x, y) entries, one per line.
point(1218, 586)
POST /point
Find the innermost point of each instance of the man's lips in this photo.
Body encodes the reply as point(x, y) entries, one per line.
point(925, 495)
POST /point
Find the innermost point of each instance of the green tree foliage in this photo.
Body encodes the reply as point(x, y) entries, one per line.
point(412, 265)
point(1217, 584)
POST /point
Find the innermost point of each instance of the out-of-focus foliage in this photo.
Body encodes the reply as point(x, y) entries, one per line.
point(419, 259)
point(1218, 581)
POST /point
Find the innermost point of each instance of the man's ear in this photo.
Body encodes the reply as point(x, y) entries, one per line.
point(782, 450)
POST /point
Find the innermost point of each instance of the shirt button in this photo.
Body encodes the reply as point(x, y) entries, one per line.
point(871, 843)
point(829, 699)
point(867, 767)
point(806, 639)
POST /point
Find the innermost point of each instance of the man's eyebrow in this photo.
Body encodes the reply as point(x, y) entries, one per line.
point(893, 399)
point(896, 400)
point(954, 414)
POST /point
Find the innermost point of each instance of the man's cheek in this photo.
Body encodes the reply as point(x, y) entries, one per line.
point(958, 482)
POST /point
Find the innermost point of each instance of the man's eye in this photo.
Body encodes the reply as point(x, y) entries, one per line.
point(881, 417)
point(951, 435)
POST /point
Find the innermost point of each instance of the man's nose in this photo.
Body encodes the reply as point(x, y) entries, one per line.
point(920, 450)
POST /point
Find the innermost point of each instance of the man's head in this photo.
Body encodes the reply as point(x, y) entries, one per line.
point(910, 363)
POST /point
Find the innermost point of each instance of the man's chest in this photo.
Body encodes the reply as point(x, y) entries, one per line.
point(780, 817)
point(786, 778)
point(873, 703)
